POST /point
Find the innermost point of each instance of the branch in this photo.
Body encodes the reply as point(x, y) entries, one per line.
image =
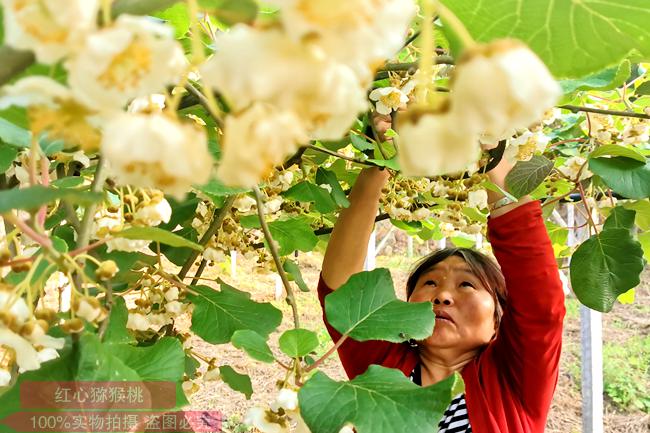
point(89, 214)
point(199, 271)
point(291, 299)
point(576, 108)
point(203, 101)
point(215, 224)
point(320, 360)
point(413, 66)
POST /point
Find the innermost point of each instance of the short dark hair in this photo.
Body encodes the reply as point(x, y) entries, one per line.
point(481, 265)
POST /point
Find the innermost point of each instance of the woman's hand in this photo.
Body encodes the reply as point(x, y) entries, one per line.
point(498, 177)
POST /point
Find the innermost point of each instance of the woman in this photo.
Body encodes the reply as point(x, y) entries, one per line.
point(507, 348)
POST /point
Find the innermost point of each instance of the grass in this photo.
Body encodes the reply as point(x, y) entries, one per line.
point(626, 373)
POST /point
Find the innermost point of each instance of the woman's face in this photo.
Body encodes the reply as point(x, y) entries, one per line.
point(464, 308)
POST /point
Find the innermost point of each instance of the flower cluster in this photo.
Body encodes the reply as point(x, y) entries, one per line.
point(107, 67)
point(158, 305)
point(496, 88)
point(330, 49)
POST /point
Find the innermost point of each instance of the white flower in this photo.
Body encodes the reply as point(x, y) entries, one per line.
point(447, 230)
point(244, 203)
point(346, 429)
point(137, 322)
point(571, 167)
point(388, 99)
point(500, 86)
point(257, 140)
point(88, 308)
point(26, 355)
point(47, 354)
point(52, 29)
point(128, 245)
point(5, 377)
point(287, 399)
point(257, 417)
point(325, 95)
point(523, 147)
point(155, 212)
point(360, 33)
point(274, 204)
point(171, 294)
point(421, 214)
point(35, 334)
point(211, 375)
point(15, 305)
point(174, 307)
point(136, 56)
point(434, 144)
point(477, 199)
point(440, 189)
point(53, 110)
point(214, 255)
point(156, 151)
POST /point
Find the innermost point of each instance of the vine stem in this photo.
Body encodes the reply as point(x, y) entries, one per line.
point(320, 360)
point(291, 299)
point(208, 103)
point(89, 212)
point(576, 108)
point(587, 208)
point(42, 240)
point(215, 224)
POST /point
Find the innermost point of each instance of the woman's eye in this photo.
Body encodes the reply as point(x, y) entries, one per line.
point(467, 284)
point(429, 282)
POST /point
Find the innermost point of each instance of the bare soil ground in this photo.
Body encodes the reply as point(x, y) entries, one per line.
point(565, 416)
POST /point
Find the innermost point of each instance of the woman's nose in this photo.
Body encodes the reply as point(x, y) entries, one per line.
point(441, 300)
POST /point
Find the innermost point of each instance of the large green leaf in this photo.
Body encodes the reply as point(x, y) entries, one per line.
point(574, 38)
point(163, 361)
point(620, 218)
point(626, 176)
point(605, 266)
point(98, 363)
point(525, 176)
point(116, 331)
point(382, 400)
point(238, 382)
point(214, 188)
point(218, 314)
point(14, 135)
point(33, 197)
point(642, 209)
point(644, 239)
point(293, 234)
point(329, 178)
point(306, 191)
point(178, 17)
point(366, 308)
point(298, 342)
point(158, 235)
point(253, 344)
point(617, 150)
point(607, 79)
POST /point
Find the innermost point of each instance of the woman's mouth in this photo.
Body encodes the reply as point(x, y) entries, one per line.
point(443, 316)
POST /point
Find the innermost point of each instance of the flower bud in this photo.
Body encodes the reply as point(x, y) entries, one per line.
point(72, 326)
point(106, 270)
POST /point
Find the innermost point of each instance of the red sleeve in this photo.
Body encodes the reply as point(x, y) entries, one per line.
point(357, 356)
point(528, 345)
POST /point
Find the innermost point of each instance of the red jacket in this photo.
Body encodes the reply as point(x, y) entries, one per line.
point(510, 384)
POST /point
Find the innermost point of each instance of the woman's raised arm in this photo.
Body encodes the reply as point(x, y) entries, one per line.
point(348, 245)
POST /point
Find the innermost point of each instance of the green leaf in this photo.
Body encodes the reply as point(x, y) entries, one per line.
point(617, 150)
point(626, 176)
point(7, 155)
point(607, 79)
point(231, 12)
point(218, 314)
point(525, 176)
point(158, 235)
point(215, 188)
point(366, 308)
point(306, 191)
point(642, 209)
point(643, 89)
point(163, 361)
point(474, 214)
point(179, 256)
point(97, 362)
point(605, 266)
point(253, 344)
point(14, 135)
point(116, 331)
point(238, 382)
point(293, 234)
point(294, 274)
point(33, 197)
point(382, 400)
point(360, 143)
point(620, 218)
point(573, 38)
point(126, 261)
point(298, 342)
point(329, 178)
point(496, 188)
point(140, 7)
point(178, 17)
point(644, 240)
point(392, 163)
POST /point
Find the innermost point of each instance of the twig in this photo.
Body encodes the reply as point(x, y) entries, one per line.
point(338, 155)
point(413, 66)
point(42, 240)
point(576, 108)
point(203, 101)
point(291, 299)
point(87, 247)
point(215, 224)
point(320, 360)
point(89, 213)
point(199, 271)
